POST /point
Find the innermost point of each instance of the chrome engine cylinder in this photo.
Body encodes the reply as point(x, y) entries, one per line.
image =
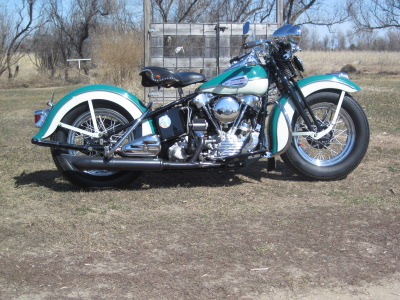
point(226, 109)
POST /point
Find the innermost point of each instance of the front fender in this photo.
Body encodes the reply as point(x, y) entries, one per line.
point(278, 130)
point(93, 92)
point(335, 81)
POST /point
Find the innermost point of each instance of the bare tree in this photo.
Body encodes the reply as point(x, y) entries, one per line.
point(179, 11)
point(14, 30)
point(317, 12)
point(341, 40)
point(236, 11)
point(394, 40)
point(375, 14)
point(49, 49)
point(74, 24)
point(364, 39)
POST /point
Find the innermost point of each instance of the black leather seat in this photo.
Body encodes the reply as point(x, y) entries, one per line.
point(158, 76)
point(188, 78)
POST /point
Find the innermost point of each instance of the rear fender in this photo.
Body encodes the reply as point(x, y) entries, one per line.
point(116, 95)
point(278, 131)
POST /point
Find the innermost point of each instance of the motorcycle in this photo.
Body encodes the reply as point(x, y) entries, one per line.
point(104, 136)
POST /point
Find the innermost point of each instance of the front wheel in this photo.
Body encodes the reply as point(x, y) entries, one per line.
point(337, 153)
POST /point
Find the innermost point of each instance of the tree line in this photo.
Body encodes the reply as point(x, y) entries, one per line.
point(51, 31)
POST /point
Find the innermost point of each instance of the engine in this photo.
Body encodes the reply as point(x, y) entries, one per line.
point(226, 109)
point(233, 129)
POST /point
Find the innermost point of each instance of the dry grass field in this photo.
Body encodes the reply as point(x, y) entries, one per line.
point(205, 235)
point(366, 62)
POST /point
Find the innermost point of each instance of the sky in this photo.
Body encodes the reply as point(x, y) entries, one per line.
point(136, 4)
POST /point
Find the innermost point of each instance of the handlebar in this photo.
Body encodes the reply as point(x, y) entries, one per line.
point(253, 44)
point(238, 57)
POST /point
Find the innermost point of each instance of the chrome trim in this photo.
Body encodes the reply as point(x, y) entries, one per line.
point(339, 74)
point(109, 153)
point(236, 82)
point(226, 109)
point(251, 100)
point(217, 85)
point(328, 80)
point(146, 146)
point(202, 100)
point(43, 116)
point(250, 59)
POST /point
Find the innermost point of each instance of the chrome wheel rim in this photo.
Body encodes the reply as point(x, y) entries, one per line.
point(106, 120)
point(335, 146)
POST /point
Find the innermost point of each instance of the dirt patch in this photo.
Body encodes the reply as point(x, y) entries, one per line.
point(205, 235)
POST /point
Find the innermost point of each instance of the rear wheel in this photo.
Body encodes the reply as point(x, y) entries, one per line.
point(337, 153)
point(106, 118)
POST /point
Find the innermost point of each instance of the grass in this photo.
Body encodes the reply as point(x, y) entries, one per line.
point(366, 62)
point(196, 235)
point(394, 168)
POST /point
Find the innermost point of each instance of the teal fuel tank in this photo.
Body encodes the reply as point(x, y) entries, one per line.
point(242, 80)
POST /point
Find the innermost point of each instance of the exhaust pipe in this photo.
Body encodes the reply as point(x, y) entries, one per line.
point(78, 163)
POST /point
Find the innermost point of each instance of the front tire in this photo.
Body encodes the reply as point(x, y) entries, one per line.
point(339, 152)
point(106, 116)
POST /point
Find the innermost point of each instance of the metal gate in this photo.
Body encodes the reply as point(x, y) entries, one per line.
point(203, 48)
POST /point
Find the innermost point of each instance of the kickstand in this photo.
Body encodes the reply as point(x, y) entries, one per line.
point(271, 164)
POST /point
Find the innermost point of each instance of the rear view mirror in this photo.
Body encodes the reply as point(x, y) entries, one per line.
point(246, 27)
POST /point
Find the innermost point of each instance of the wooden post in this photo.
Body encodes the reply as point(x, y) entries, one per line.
point(147, 22)
point(279, 12)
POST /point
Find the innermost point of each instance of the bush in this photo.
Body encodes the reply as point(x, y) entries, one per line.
point(119, 58)
point(348, 69)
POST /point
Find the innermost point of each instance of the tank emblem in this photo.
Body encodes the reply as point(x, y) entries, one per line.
point(238, 81)
point(164, 122)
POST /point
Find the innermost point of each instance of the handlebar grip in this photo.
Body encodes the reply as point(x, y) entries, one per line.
point(251, 44)
point(236, 58)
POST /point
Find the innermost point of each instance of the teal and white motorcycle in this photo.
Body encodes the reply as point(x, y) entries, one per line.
point(103, 136)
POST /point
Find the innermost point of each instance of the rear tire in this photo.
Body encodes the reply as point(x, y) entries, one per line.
point(107, 116)
point(339, 152)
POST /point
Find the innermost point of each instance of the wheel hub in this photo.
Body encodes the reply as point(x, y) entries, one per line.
point(323, 142)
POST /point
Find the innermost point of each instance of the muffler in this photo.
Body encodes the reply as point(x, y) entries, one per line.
point(79, 163)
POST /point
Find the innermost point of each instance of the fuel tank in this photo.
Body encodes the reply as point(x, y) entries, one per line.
point(242, 80)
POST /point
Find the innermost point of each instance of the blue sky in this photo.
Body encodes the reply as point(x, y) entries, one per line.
point(136, 4)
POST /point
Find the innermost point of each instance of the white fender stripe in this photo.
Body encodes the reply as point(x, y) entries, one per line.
point(326, 85)
point(128, 105)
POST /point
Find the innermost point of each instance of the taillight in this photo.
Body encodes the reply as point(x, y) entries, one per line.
point(40, 117)
point(37, 117)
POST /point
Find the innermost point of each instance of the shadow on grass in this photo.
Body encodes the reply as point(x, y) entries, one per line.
point(52, 179)
point(213, 178)
point(48, 178)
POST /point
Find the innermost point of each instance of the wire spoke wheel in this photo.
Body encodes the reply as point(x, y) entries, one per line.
point(338, 152)
point(335, 145)
point(106, 120)
point(107, 117)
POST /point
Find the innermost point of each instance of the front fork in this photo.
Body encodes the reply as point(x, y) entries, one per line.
point(320, 134)
point(294, 91)
point(301, 104)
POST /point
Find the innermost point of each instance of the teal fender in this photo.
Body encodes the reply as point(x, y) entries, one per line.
point(121, 97)
point(279, 132)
